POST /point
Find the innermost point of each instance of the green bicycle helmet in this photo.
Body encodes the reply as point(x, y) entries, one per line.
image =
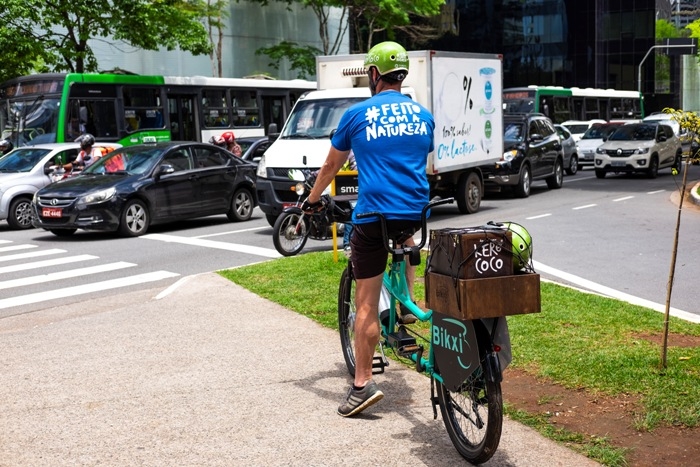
point(521, 242)
point(388, 57)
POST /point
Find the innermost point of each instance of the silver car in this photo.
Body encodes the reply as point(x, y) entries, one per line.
point(25, 170)
point(570, 149)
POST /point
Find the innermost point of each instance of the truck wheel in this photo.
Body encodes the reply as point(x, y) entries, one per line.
point(468, 193)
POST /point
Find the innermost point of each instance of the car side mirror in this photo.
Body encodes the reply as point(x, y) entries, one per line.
point(164, 169)
point(535, 137)
point(661, 138)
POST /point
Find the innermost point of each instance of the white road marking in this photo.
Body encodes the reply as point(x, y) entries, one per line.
point(5, 241)
point(584, 207)
point(33, 254)
point(16, 247)
point(624, 198)
point(230, 232)
point(251, 250)
point(538, 217)
point(53, 276)
point(86, 288)
point(173, 287)
point(603, 290)
point(654, 192)
point(46, 263)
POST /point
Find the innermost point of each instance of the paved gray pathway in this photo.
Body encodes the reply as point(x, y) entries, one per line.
point(211, 375)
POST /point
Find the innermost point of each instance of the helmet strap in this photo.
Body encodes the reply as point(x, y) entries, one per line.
point(373, 83)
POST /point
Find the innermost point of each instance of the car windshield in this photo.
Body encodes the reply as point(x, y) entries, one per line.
point(598, 132)
point(577, 128)
point(513, 131)
point(131, 160)
point(316, 118)
point(634, 133)
point(22, 160)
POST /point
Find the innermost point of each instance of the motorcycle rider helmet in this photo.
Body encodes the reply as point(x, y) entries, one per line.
point(86, 141)
point(228, 137)
point(521, 243)
point(6, 146)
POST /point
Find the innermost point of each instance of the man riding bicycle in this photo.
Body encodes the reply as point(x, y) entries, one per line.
point(391, 136)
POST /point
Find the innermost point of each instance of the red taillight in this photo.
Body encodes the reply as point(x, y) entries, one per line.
point(496, 348)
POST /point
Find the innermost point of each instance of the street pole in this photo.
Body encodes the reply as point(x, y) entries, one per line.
point(639, 72)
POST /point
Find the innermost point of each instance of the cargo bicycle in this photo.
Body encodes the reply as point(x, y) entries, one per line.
point(470, 398)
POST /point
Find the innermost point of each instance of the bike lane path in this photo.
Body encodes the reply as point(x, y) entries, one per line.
point(208, 373)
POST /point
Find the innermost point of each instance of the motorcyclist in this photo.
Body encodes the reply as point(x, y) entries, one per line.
point(227, 140)
point(88, 154)
point(6, 146)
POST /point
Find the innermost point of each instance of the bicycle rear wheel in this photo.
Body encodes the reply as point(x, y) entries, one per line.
point(346, 317)
point(473, 415)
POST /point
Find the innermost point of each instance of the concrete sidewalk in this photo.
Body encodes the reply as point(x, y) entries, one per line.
point(209, 375)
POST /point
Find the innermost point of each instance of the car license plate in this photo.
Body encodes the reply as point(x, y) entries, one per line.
point(618, 163)
point(51, 212)
point(588, 157)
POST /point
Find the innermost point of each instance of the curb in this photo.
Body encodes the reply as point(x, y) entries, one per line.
point(694, 196)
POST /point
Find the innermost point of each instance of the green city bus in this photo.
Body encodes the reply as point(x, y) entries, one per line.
point(130, 109)
point(561, 104)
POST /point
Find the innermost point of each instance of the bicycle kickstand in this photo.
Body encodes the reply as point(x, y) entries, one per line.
point(379, 362)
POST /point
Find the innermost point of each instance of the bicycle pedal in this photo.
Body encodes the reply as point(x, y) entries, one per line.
point(401, 339)
point(378, 365)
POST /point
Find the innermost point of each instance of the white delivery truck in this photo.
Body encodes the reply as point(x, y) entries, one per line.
point(462, 90)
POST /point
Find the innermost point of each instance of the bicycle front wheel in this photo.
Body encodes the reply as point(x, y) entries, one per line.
point(346, 317)
point(473, 415)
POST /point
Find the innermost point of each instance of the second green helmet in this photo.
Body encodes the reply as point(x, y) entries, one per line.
point(387, 57)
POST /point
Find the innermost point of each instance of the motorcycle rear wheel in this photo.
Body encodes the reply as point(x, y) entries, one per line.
point(289, 240)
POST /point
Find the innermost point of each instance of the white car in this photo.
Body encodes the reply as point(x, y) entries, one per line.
point(666, 119)
point(591, 139)
point(639, 147)
point(579, 127)
point(25, 170)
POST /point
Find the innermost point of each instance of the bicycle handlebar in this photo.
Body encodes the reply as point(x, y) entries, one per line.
point(424, 227)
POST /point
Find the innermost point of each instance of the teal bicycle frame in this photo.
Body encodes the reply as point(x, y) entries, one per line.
point(470, 402)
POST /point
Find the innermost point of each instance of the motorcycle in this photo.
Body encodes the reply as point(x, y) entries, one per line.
point(294, 227)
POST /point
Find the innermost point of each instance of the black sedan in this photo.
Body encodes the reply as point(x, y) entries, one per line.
point(137, 186)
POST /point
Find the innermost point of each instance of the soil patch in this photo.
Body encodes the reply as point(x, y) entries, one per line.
point(605, 417)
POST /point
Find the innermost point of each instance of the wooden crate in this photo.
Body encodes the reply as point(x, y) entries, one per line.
point(471, 252)
point(483, 298)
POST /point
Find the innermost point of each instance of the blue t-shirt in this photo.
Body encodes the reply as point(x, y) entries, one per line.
point(391, 136)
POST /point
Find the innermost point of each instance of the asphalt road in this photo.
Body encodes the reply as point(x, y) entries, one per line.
point(613, 235)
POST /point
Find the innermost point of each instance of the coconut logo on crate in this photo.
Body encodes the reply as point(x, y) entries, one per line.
point(488, 256)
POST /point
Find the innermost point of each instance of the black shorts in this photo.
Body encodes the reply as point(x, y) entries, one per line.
point(369, 257)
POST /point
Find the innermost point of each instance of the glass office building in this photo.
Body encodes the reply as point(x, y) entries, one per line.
point(584, 43)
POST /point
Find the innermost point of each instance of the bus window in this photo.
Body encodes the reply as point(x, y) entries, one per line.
point(561, 109)
point(591, 110)
point(142, 108)
point(214, 108)
point(245, 108)
point(97, 117)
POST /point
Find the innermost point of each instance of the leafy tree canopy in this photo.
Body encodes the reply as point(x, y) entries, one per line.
point(52, 35)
